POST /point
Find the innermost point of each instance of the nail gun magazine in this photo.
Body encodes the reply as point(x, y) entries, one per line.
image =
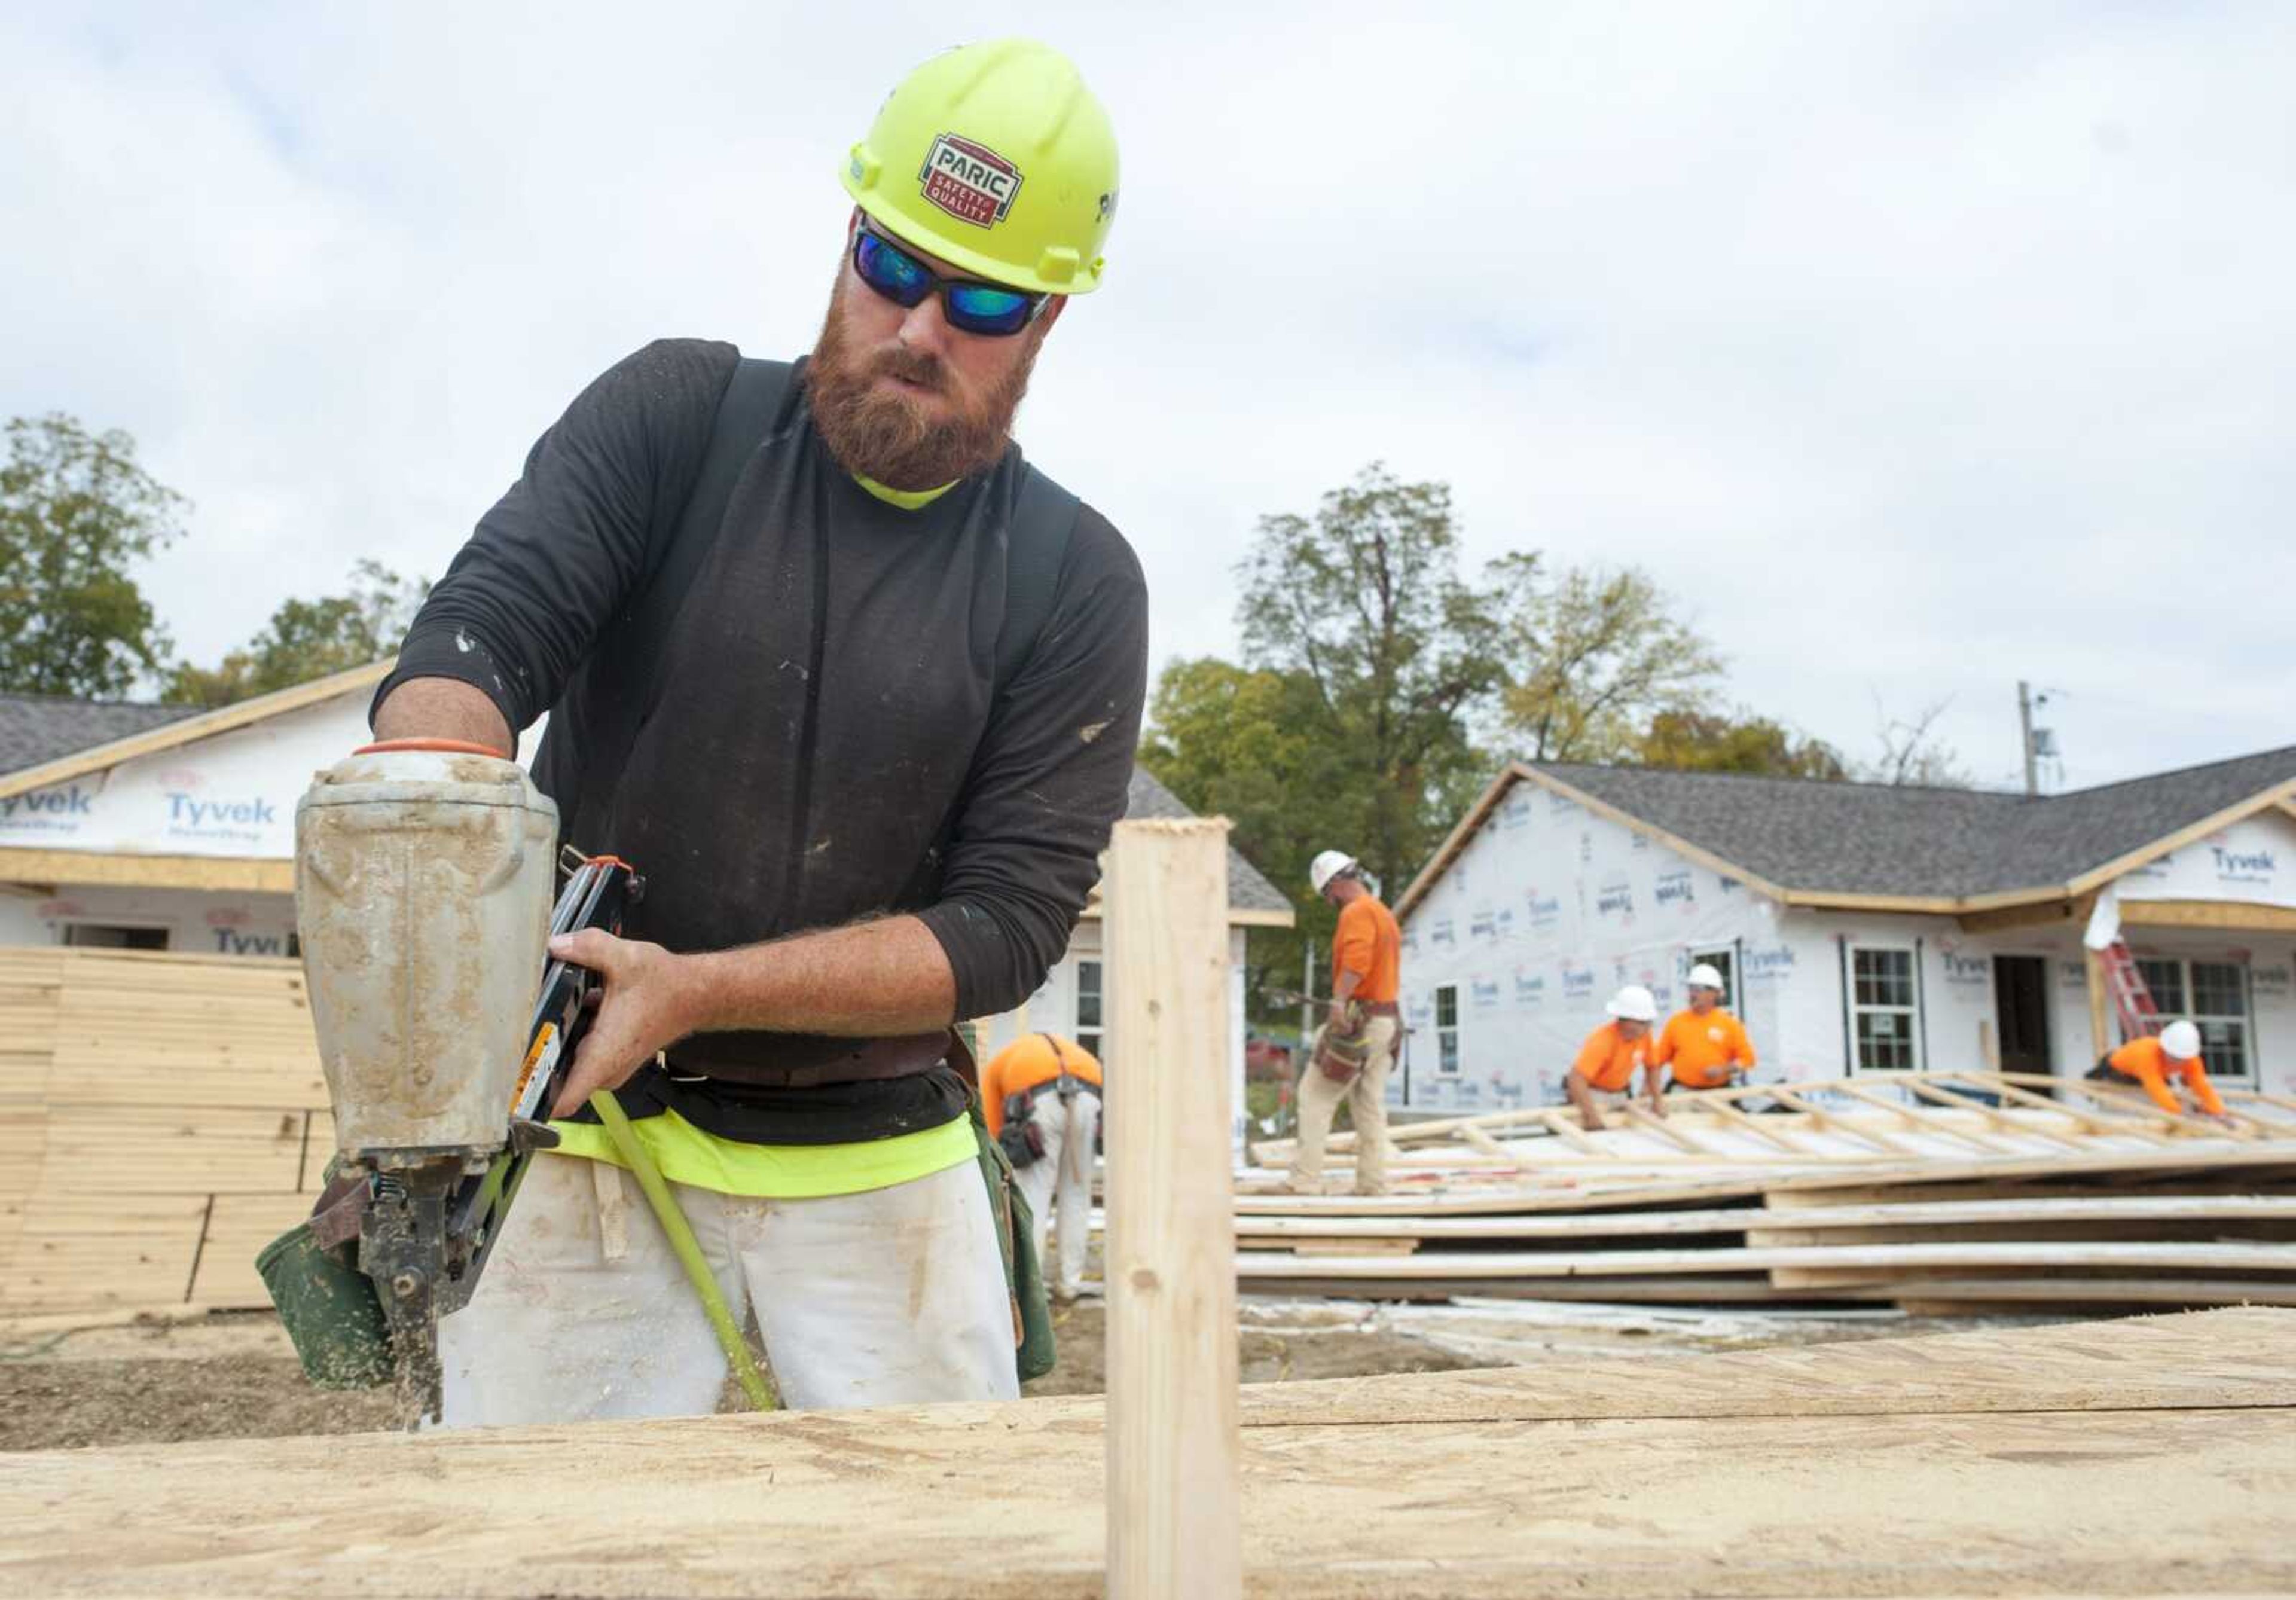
point(394, 1244)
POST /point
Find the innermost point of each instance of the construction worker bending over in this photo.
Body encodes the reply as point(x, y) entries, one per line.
point(1355, 1050)
point(2150, 1062)
point(1607, 1062)
point(1041, 1096)
point(1704, 1047)
point(856, 690)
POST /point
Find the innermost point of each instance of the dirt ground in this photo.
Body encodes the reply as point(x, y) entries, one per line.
point(235, 1375)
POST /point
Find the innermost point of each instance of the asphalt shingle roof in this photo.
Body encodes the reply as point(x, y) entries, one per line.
point(1248, 890)
point(1876, 839)
point(35, 728)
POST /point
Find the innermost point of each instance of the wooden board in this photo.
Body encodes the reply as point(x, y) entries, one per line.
point(86, 1248)
point(1346, 1492)
point(1454, 1198)
point(237, 1227)
point(2212, 1358)
point(1969, 1297)
point(1599, 1263)
point(1172, 1447)
point(2044, 1213)
point(143, 1096)
point(1671, 1289)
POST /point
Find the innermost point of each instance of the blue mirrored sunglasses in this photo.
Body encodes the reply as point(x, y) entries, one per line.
point(970, 305)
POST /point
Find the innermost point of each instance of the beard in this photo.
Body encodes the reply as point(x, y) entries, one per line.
point(878, 432)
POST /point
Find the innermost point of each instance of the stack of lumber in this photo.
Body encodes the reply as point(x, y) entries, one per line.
point(1991, 1463)
point(161, 1117)
point(1941, 1192)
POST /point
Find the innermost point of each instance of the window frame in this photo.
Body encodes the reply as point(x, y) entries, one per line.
point(1447, 1036)
point(1725, 960)
point(1092, 1038)
point(2187, 1007)
point(1861, 1009)
point(137, 930)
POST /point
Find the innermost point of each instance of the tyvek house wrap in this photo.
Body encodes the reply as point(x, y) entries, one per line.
point(1547, 910)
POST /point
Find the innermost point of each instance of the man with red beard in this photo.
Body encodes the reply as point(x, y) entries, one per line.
point(856, 690)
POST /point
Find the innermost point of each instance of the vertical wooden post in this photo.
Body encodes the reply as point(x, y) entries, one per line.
point(1173, 1441)
point(2100, 1007)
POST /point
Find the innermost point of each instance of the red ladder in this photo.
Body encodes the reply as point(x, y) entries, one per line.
point(2139, 1017)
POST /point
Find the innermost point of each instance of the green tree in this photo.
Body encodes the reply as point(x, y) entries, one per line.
point(76, 513)
point(309, 638)
point(1591, 657)
point(1362, 604)
point(1701, 741)
point(1241, 743)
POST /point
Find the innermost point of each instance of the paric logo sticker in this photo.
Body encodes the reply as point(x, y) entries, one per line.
point(969, 182)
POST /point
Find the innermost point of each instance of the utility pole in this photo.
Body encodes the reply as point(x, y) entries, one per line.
point(2025, 732)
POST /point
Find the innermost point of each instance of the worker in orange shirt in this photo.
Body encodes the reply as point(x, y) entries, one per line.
point(1366, 974)
point(1040, 1095)
point(1607, 1061)
point(2152, 1062)
point(1704, 1047)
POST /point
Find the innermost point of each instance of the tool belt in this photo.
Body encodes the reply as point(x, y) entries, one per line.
point(1021, 1135)
point(1339, 1055)
point(793, 1061)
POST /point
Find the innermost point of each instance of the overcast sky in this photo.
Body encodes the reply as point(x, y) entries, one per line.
point(1916, 349)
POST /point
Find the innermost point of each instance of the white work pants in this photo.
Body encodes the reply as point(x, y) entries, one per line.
point(1062, 1174)
point(893, 1296)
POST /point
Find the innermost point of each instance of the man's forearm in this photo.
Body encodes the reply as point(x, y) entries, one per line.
point(886, 976)
point(443, 707)
point(1344, 990)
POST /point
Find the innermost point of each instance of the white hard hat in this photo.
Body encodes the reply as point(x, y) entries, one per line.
point(1704, 976)
point(1634, 1003)
point(1328, 865)
point(2181, 1040)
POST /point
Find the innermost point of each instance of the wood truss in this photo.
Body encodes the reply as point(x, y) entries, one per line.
point(1932, 1189)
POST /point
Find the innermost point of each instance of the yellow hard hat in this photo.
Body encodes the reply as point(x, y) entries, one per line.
point(996, 159)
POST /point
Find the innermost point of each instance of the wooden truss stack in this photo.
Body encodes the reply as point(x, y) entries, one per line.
point(161, 1118)
point(1945, 1191)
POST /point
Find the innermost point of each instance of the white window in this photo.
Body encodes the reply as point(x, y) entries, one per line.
point(1087, 1015)
point(2214, 994)
point(1447, 1028)
point(1722, 962)
point(1884, 1008)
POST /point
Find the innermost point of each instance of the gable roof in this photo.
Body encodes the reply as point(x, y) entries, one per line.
point(163, 727)
point(1805, 841)
point(1247, 888)
point(37, 729)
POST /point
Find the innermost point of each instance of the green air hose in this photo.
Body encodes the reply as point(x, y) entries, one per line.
point(754, 1383)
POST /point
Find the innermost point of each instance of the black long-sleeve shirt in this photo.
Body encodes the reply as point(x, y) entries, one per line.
point(829, 739)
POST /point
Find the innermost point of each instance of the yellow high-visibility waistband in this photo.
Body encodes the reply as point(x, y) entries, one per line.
point(688, 1155)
